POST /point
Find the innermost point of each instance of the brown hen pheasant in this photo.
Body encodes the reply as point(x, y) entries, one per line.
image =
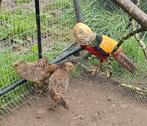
point(58, 84)
point(36, 71)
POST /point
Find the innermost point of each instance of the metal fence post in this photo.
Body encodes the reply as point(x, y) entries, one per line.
point(12, 86)
point(37, 9)
point(78, 11)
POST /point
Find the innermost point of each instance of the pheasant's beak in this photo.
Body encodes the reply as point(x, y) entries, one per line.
point(14, 65)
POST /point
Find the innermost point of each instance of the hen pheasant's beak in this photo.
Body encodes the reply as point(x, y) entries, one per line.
point(14, 65)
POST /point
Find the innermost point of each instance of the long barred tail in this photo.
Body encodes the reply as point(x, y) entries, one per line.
point(124, 61)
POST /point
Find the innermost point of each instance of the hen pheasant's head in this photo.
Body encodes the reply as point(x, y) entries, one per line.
point(18, 64)
point(83, 34)
point(68, 66)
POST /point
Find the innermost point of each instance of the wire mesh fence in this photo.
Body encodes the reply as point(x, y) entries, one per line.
point(56, 34)
point(18, 41)
point(18, 37)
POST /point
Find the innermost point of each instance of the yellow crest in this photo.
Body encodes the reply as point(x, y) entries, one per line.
point(83, 34)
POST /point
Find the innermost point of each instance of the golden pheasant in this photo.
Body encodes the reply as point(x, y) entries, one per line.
point(58, 84)
point(100, 46)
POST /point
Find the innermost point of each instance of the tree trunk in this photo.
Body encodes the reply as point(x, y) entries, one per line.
point(133, 11)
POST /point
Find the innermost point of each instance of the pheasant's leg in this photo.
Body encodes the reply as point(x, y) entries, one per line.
point(96, 68)
point(39, 92)
point(109, 70)
point(37, 88)
point(44, 88)
point(86, 56)
point(41, 89)
point(53, 106)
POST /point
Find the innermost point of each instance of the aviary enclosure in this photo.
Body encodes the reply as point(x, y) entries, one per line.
point(32, 29)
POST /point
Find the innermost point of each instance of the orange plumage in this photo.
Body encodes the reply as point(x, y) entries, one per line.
point(100, 46)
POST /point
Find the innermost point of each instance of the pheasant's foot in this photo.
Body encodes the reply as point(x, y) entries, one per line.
point(108, 74)
point(41, 90)
point(52, 107)
point(109, 70)
point(93, 70)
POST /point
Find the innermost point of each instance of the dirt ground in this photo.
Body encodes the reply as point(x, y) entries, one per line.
point(11, 4)
point(93, 101)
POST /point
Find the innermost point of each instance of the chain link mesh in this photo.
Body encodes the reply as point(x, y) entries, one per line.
point(18, 41)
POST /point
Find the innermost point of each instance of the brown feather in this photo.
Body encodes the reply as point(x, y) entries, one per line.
point(36, 71)
point(59, 82)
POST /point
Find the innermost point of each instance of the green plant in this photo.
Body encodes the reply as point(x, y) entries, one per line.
point(58, 4)
point(23, 1)
point(19, 23)
point(103, 16)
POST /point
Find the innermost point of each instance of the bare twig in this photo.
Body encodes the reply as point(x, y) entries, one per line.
point(128, 36)
point(137, 36)
point(142, 91)
point(139, 39)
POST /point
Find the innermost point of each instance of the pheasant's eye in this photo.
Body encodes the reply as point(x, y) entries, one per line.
point(15, 65)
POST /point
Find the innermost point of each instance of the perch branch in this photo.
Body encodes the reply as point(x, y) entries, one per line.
point(132, 10)
point(128, 36)
point(137, 36)
point(139, 39)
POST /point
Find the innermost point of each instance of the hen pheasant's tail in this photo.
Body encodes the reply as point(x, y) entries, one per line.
point(63, 103)
point(60, 100)
point(124, 61)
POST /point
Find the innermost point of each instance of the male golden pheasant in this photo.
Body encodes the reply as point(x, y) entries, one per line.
point(100, 46)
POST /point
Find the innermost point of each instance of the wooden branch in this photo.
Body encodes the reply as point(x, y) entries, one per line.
point(139, 16)
point(139, 39)
point(132, 10)
point(128, 36)
point(141, 91)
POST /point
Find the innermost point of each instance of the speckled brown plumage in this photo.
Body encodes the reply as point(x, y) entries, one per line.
point(58, 84)
point(36, 71)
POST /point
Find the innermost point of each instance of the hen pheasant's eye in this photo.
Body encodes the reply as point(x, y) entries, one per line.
point(15, 65)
